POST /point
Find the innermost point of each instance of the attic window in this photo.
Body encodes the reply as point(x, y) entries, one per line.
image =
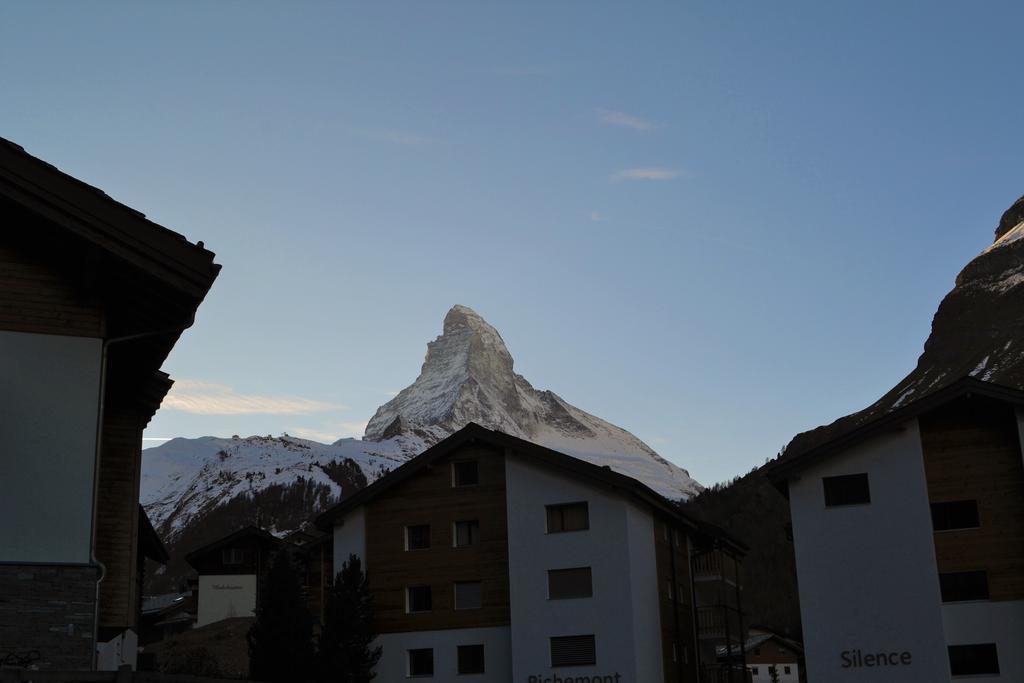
point(465, 473)
point(233, 556)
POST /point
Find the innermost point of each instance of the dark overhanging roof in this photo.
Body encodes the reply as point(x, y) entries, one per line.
point(249, 531)
point(552, 459)
point(149, 541)
point(779, 470)
point(94, 216)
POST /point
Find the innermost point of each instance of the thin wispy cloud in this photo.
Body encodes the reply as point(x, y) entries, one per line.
point(396, 137)
point(645, 174)
point(607, 117)
point(597, 216)
point(207, 398)
point(331, 432)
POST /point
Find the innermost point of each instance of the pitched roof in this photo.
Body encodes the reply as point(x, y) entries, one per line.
point(149, 541)
point(245, 532)
point(94, 216)
point(851, 434)
point(536, 454)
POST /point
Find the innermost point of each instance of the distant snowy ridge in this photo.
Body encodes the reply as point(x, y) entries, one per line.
point(467, 376)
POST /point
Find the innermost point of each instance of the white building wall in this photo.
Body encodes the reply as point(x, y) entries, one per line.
point(394, 661)
point(620, 613)
point(350, 538)
point(763, 674)
point(867, 573)
point(1001, 623)
point(49, 403)
point(225, 596)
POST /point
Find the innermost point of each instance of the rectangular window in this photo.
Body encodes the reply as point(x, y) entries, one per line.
point(568, 517)
point(961, 586)
point(468, 595)
point(417, 537)
point(467, 533)
point(471, 659)
point(421, 662)
point(786, 670)
point(848, 489)
point(233, 556)
point(753, 670)
point(465, 473)
point(570, 583)
point(973, 660)
point(418, 599)
point(573, 651)
point(955, 514)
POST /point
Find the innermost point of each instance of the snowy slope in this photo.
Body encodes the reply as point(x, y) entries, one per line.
point(190, 487)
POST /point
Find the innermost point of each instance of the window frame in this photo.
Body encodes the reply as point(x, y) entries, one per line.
point(408, 662)
point(832, 492)
point(561, 507)
point(551, 650)
point(455, 470)
point(458, 659)
point(474, 537)
point(977, 515)
point(408, 543)
point(409, 600)
point(455, 596)
point(590, 575)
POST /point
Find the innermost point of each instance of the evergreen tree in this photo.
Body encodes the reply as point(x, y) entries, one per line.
point(346, 653)
point(281, 638)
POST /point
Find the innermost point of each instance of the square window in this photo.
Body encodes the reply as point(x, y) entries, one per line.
point(465, 473)
point(961, 586)
point(753, 670)
point(573, 651)
point(848, 489)
point(955, 514)
point(973, 660)
point(570, 583)
point(786, 670)
point(568, 517)
point(467, 533)
point(417, 537)
point(468, 595)
point(418, 599)
point(421, 662)
point(471, 659)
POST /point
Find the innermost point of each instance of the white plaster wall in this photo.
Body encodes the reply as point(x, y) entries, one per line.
point(226, 596)
point(350, 538)
point(118, 651)
point(620, 614)
point(1001, 623)
point(867, 573)
point(49, 402)
point(393, 664)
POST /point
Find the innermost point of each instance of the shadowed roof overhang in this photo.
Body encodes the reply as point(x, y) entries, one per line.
point(539, 455)
point(779, 470)
point(261, 535)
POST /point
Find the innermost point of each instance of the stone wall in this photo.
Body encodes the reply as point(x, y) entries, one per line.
point(49, 609)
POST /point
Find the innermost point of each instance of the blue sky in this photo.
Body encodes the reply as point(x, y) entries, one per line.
point(714, 224)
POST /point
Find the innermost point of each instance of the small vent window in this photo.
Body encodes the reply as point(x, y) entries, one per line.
point(973, 660)
point(961, 586)
point(465, 473)
point(421, 662)
point(955, 514)
point(573, 651)
point(467, 533)
point(417, 537)
point(568, 517)
point(471, 659)
point(468, 595)
point(849, 489)
point(570, 583)
point(418, 599)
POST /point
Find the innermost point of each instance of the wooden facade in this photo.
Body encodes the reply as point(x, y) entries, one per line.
point(972, 451)
point(430, 498)
point(676, 601)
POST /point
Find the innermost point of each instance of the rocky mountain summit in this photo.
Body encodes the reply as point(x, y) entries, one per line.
point(196, 490)
point(977, 331)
